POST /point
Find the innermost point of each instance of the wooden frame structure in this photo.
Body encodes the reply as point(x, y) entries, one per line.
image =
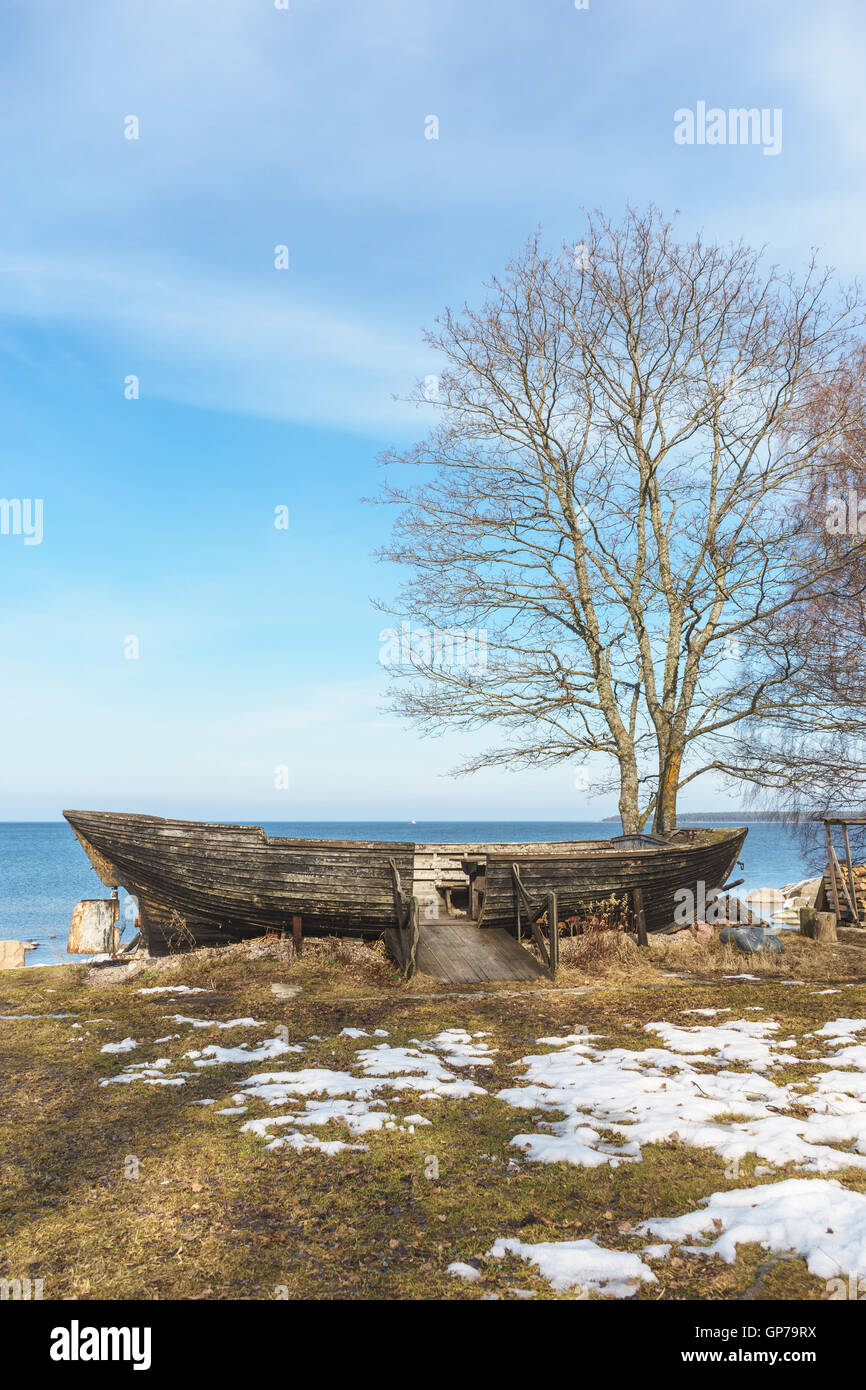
point(842, 892)
point(403, 939)
point(548, 948)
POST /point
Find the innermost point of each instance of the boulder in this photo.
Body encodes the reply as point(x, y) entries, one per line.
point(751, 939)
point(704, 933)
point(803, 894)
point(766, 901)
point(13, 954)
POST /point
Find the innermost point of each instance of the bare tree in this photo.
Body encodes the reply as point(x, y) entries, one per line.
point(809, 758)
point(623, 431)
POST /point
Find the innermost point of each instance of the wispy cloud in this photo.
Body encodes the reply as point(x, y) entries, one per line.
point(257, 348)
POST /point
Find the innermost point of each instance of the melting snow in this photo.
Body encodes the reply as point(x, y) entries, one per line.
point(820, 1220)
point(174, 989)
point(567, 1263)
point(215, 1056)
point(840, 1028)
point(352, 1101)
point(658, 1095)
point(152, 1073)
point(215, 1023)
point(10, 1018)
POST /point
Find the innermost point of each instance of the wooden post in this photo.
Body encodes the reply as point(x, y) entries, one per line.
point(851, 880)
point(515, 877)
point(297, 939)
point(413, 935)
point(553, 931)
point(818, 926)
point(830, 857)
point(852, 907)
point(639, 918)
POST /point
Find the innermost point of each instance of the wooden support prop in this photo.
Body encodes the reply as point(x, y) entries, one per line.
point(852, 906)
point(412, 938)
point(518, 893)
point(818, 926)
point(402, 941)
point(553, 931)
point(297, 937)
point(400, 909)
point(639, 918)
point(532, 915)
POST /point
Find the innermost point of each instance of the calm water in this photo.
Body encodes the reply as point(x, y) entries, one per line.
point(44, 871)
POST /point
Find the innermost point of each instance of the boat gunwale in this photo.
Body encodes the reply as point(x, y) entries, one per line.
point(699, 837)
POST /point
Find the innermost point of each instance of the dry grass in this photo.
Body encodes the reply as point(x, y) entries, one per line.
point(599, 952)
point(810, 960)
point(212, 1215)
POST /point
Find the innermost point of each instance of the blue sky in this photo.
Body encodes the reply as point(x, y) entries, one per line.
point(259, 388)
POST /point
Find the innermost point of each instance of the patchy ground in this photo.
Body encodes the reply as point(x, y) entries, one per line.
point(191, 1133)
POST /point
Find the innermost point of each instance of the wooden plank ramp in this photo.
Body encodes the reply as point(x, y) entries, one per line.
point(455, 952)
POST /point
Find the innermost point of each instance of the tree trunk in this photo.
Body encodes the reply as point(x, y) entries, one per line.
point(820, 926)
point(629, 811)
point(665, 819)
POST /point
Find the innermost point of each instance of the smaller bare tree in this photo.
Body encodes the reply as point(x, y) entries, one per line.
point(810, 759)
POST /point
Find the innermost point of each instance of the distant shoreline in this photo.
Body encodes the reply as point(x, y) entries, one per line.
point(732, 818)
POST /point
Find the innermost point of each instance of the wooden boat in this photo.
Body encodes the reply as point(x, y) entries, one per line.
point(201, 884)
point(587, 874)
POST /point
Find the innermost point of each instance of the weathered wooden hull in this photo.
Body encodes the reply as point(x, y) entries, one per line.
point(227, 882)
point(202, 884)
point(585, 877)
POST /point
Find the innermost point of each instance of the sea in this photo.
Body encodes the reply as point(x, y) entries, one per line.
point(44, 871)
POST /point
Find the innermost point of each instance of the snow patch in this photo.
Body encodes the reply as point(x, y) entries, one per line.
point(819, 1219)
point(566, 1264)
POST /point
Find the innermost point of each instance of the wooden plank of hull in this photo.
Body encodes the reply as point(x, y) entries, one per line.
point(580, 879)
point(231, 881)
point(246, 877)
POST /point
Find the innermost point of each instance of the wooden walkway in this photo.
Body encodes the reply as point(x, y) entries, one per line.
point(454, 951)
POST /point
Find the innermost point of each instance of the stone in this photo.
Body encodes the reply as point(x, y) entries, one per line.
point(751, 939)
point(661, 938)
point(286, 991)
point(803, 894)
point(766, 901)
point(13, 954)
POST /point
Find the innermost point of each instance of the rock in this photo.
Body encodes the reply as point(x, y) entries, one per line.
point(661, 938)
point(13, 954)
point(766, 901)
point(751, 939)
point(703, 933)
point(802, 894)
point(285, 991)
